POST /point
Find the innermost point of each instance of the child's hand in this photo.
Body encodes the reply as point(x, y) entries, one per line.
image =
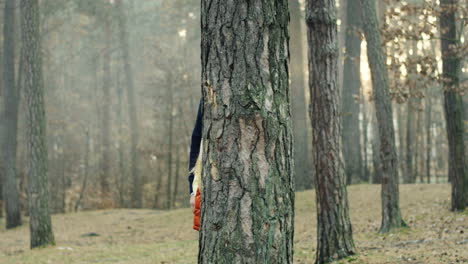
point(192, 202)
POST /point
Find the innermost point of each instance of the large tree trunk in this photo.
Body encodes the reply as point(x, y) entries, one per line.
point(334, 234)
point(39, 217)
point(391, 215)
point(8, 141)
point(137, 201)
point(453, 105)
point(299, 113)
point(351, 135)
point(247, 213)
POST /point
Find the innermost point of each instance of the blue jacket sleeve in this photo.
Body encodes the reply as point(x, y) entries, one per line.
point(195, 144)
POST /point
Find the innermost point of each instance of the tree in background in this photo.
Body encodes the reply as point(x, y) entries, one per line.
point(247, 213)
point(137, 194)
point(8, 141)
point(39, 217)
point(334, 234)
point(351, 134)
point(391, 215)
point(106, 119)
point(453, 104)
point(299, 113)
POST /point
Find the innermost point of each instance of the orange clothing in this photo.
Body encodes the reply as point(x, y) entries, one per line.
point(196, 211)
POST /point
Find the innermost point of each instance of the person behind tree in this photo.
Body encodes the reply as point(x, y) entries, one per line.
point(195, 168)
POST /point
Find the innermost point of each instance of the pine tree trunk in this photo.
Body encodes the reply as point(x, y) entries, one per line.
point(39, 217)
point(137, 201)
point(334, 234)
point(8, 142)
point(391, 215)
point(247, 213)
point(351, 136)
point(453, 105)
point(299, 113)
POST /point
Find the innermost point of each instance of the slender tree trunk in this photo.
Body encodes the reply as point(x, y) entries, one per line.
point(157, 193)
point(299, 111)
point(419, 145)
point(391, 215)
point(401, 139)
point(453, 105)
point(351, 136)
point(334, 234)
point(39, 217)
point(170, 132)
point(365, 124)
point(247, 213)
point(428, 137)
point(106, 120)
point(410, 142)
point(122, 169)
point(137, 201)
point(85, 171)
point(176, 177)
point(10, 123)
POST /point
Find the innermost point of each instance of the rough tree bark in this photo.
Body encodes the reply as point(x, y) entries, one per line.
point(299, 111)
point(391, 215)
point(137, 201)
point(247, 213)
point(334, 231)
point(8, 141)
point(39, 217)
point(453, 105)
point(351, 135)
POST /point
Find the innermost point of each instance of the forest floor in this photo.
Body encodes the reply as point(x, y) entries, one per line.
point(435, 235)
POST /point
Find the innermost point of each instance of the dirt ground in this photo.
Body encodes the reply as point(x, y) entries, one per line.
point(435, 235)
